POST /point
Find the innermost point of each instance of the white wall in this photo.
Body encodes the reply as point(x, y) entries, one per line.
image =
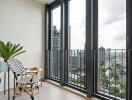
point(21, 21)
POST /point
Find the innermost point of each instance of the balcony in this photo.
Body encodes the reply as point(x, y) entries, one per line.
point(68, 40)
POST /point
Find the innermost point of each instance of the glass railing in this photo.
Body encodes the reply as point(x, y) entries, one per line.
point(112, 73)
point(54, 64)
point(77, 69)
point(111, 69)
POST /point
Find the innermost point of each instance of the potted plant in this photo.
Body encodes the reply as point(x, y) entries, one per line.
point(9, 50)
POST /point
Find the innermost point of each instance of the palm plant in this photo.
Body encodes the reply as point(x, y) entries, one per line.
point(9, 50)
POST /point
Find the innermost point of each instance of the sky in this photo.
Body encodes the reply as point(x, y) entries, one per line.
point(112, 23)
point(56, 13)
point(77, 23)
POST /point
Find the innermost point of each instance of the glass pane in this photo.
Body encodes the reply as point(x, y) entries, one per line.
point(77, 23)
point(112, 48)
point(55, 43)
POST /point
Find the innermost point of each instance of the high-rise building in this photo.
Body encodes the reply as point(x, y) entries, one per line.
point(55, 51)
point(101, 56)
point(55, 39)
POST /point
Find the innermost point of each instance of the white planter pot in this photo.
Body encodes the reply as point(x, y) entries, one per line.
point(3, 67)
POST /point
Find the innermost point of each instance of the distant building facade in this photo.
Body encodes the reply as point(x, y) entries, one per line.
point(55, 52)
point(101, 56)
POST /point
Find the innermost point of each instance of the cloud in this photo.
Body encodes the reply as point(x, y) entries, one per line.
point(112, 23)
point(111, 10)
point(112, 17)
point(119, 38)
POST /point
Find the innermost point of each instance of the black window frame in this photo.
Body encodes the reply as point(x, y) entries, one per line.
point(95, 49)
point(91, 44)
point(48, 15)
point(64, 30)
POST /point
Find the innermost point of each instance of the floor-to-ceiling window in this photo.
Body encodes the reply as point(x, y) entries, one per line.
point(112, 48)
point(55, 43)
point(105, 51)
point(76, 43)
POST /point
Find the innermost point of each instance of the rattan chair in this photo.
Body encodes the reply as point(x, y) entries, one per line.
point(22, 82)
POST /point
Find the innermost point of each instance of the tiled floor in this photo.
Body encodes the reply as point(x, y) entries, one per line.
point(51, 92)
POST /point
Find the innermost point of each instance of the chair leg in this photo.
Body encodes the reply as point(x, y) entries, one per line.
point(13, 98)
point(32, 92)
point(32, 97)
point(37, 88)
point(15, 90)
point(20, 90)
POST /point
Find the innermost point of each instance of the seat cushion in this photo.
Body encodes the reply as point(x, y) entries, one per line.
point(25, 80)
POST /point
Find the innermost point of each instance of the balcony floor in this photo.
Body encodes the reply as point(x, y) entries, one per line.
point(51, 92)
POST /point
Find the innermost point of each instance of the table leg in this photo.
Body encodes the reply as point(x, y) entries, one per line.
point(8, 83)
point(4, 83)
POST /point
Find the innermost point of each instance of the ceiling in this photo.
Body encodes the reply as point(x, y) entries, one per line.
point(45, 1)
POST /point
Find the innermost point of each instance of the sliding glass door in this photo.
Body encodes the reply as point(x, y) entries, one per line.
point(55, 43)
point(112, 48)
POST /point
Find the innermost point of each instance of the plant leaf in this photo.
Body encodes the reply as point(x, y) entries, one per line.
point(9, 50)
point(17, 49)
point(18, 53)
